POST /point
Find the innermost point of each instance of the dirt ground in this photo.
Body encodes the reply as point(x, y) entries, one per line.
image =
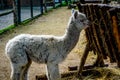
point(53, 23)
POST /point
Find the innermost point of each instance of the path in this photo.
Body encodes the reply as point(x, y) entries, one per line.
point(53, 23)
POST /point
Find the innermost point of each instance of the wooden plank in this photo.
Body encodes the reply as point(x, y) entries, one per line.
point(116, 32)
point(63, 75)
point(112, 14)
point(83, 59)
point(118, 23)
point(7, 12)
point(92, 40)
point(99, 61)
point(101, 31)
point(105, 34)
point(91, 31)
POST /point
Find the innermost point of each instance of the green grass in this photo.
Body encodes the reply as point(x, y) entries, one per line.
point(13, 26)
point(6, 29)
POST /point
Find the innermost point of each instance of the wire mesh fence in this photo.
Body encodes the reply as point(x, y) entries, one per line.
point(18, 11)
point(28, 9)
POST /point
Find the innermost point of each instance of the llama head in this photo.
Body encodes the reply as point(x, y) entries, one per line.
point(79, 19)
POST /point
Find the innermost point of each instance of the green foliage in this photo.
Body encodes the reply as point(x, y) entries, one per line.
point(64, 3)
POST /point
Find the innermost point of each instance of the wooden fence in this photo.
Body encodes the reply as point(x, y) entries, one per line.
point(103, 35)
point(94, 1)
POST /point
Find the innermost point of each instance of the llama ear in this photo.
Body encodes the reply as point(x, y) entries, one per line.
point(75, 14)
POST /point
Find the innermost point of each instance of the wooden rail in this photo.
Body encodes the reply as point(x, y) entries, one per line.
point(5, 13)
point(103, 35)
point(95, 1)
point(63, 75)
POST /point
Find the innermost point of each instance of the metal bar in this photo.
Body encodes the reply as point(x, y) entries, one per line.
point(31, 8)
point(41, 6)
point(19, 11)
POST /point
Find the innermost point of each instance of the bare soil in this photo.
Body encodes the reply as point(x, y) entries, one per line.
point(53, 23)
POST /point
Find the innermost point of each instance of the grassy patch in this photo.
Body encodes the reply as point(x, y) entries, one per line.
point(13, 26)
point(6, 29)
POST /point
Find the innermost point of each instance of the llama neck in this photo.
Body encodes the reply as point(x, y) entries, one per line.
point(71, 37)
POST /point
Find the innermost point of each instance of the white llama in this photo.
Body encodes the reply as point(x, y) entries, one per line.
point(48, 49)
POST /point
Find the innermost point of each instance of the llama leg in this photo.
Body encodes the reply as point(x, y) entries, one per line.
point(19, 71)
point(19, 61)
point(26, 68)
point(15, 74)
point(53, 71)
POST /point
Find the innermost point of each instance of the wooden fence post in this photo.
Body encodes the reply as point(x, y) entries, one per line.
point(16, 12)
